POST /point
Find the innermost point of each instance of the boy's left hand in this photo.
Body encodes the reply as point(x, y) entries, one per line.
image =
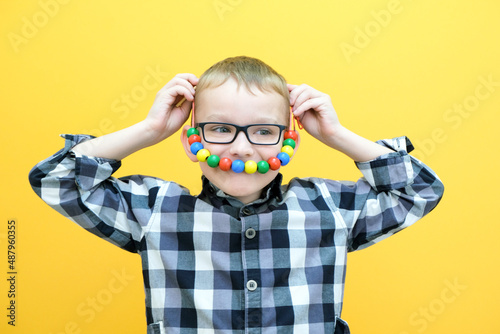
point(315, 111)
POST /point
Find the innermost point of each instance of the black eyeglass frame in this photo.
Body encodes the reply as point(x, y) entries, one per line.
point(239, 129)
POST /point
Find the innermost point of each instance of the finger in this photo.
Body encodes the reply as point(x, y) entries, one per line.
point(306, 94)
point(185, 79)
point(168, 98)
point(181, 94)
point(185, 107)
point(180, 82)
point(193, 79)
point(309, 104)
point(178, 104)
point(296, 91)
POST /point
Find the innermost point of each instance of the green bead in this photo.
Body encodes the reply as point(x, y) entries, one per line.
point(213, 160)
point(262, 167)
point(192, 131)
point(289, 142)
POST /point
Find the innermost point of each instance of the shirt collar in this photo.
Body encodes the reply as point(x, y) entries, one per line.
point(217, 197)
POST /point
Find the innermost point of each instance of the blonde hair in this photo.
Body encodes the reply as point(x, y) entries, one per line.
point(246, 71)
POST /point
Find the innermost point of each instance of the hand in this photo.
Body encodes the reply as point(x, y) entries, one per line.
point(315, 112)
point(165, 117)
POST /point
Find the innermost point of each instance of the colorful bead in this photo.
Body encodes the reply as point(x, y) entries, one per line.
point(291, 134)
point(288, 150)
point(250, 167)
point(284, 158)
point(262, 167)
point(274, 163)
point(213, 161)
point(192, 131)
point(225, 164)
point(195, 147)
point(238, 166)
point(289, 142)
point(203, 155)
point(194, 138)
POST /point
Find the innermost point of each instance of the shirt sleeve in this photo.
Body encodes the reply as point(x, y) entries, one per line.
point(82, 189)
point(395, 191)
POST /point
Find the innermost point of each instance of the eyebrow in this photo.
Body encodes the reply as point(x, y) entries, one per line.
point(215, 117)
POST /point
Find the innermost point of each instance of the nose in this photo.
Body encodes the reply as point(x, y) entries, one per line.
point(241, 147)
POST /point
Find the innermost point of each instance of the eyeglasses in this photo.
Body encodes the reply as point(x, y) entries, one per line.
point(226, 133)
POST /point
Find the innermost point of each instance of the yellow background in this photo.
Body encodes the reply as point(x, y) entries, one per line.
point(392, 67)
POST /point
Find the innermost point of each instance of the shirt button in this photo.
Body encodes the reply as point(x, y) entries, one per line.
point(251, 285)
point(247, 211)
point(250, 233)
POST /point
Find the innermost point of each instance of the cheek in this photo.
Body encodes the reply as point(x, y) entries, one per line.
point(270, 152)
point(216, 149)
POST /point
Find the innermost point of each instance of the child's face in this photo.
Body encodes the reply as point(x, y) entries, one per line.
point(230, 104)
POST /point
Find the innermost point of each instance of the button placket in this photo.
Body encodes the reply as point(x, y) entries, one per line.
point(251, 265)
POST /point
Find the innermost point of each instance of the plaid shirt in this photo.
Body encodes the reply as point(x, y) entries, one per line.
point(214, 265)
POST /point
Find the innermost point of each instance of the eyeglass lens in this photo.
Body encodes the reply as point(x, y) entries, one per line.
point(226, 133)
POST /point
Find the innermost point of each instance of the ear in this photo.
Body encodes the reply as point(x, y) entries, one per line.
point(185, 144)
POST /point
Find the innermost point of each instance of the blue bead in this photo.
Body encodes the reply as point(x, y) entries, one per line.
point(238, 166)
point(195, 147)
point(284, 158)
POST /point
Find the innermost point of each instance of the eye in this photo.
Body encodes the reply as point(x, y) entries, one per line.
point(220, 128)
point(264, 131)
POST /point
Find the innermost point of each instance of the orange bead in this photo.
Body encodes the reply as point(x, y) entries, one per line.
point(193, 139)
point(290, 134)
point(274, 163)
point(225, 164)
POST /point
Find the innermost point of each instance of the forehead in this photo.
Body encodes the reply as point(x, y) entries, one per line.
point(232, 103)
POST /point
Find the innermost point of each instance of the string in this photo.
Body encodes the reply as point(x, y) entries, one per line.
point(294, 119)
point(192, 115)
point(238, 166)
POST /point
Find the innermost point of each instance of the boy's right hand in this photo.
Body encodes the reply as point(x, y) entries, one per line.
point(164, 117)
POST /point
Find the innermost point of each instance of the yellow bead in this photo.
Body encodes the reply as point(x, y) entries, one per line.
point(288, 150)
point(250, 167)
point(203, 155)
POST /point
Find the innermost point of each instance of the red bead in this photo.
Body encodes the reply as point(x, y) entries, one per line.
point(193, 139)
point(291, 134)
point(225, 164)
point(274, 163)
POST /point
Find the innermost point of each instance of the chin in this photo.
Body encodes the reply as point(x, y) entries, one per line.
point(239, 185)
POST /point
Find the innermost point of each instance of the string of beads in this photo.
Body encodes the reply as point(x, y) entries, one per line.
point(238, 166)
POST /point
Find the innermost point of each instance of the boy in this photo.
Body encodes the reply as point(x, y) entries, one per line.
point(247, 254)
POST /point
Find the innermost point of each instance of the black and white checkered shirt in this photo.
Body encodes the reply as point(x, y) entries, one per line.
point(214, 265)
